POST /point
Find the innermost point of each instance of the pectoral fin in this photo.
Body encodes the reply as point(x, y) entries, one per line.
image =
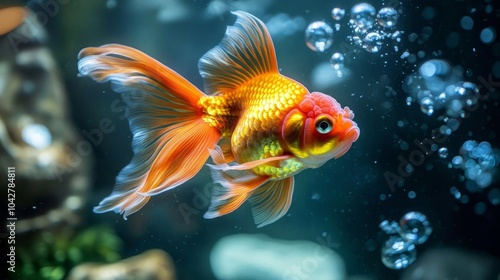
point(221, 163)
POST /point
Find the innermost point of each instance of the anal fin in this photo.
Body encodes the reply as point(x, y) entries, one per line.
point(235, 183)
point(221, 154)
point(271, 201)
point(231, 189)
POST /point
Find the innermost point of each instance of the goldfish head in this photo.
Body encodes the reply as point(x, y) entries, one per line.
point(319, 129)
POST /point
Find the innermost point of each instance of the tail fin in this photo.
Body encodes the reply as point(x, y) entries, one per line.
point(170, 140)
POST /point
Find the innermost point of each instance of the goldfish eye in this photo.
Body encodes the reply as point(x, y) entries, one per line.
point(324, 125)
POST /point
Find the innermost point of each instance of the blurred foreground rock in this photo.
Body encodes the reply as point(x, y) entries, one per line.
point(150, 265)
point(37, 138)
point(452, 263)
point(260, 257)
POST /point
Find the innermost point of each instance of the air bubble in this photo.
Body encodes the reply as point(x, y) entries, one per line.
point(434, 67)
point(468, 145)
point(408, 100)
point(488, 35)
point(480, 208)
point(445, 130)
point(443, 152)
point(337, 61)
point(453, 124)
point(457, 161)
point(338, 13)
point(484, 179)
point(466, 23)
point(398, 253)
point(396, 36)
point(372, 42)
point(412, 194)
point(429, 13)
point(455, 192)
point(494, 196)
point(319, 36)
point(470, 93)
point(404, 145)
point(427, 106)
point(362, 17)
point(387, 17)
point(415, 227)
point(412, 37)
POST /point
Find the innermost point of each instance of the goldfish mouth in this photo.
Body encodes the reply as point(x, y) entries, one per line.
point(342, 147)
point(352, 135)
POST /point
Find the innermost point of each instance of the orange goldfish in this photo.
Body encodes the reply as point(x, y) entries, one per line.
point(259, 127)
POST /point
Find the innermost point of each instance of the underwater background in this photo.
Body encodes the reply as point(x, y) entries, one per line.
point(416, 197)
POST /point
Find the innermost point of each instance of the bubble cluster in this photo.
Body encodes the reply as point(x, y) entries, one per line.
point(479, 161)
point(370, 29)
point(399, 251)
point(319, 36)
point(389, 227)
point(438, 85)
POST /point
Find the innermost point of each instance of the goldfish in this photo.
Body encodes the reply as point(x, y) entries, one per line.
point(259, 127)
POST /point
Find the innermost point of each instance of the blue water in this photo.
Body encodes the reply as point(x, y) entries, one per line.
point(423, 85)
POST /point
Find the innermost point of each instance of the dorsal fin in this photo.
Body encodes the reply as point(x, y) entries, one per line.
point(246, 51)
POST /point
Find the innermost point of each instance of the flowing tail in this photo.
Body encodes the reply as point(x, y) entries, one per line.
point(170, 142)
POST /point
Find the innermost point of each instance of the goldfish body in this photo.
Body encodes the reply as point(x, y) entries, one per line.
point(259, 127)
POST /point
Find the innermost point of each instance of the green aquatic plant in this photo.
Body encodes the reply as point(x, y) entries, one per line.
point(51, 255)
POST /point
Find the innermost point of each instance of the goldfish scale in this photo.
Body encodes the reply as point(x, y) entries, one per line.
point(288, 168)
point(220, 112)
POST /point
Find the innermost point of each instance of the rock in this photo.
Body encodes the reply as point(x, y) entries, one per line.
point(453, 263)
point(37, 137)
point(150, 265)
point(260, 257)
